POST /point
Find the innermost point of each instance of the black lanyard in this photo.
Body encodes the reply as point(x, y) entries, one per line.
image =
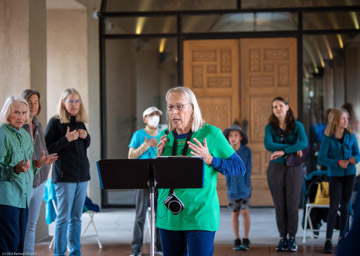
point(185, 149)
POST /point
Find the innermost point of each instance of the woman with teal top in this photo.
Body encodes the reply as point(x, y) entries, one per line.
point(17, 170)
point(283, 136)
point(339, 151)
point(192, 230)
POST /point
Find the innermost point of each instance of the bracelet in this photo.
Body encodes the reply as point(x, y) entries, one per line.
point(339, 162)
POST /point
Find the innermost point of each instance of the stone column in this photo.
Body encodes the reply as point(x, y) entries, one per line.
point(23, 57)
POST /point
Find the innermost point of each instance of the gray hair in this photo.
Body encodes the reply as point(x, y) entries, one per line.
point(184, 92)
point(6, 109)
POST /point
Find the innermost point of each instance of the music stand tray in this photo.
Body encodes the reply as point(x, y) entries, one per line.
point(161, 172)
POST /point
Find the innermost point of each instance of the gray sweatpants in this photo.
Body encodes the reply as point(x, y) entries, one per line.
point(142, 201)
point(285, 184)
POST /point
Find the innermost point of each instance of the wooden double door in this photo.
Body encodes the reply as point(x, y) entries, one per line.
point(236, 79)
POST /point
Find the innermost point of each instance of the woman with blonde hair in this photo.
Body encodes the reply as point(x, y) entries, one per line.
point(339, 151)
point(67, 135)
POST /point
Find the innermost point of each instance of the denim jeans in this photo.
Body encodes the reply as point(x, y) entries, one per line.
point(191, 242)
point(70, 198)
point(34, 210)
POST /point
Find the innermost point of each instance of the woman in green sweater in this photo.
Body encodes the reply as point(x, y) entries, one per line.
point(283, 136)
point(17, 170)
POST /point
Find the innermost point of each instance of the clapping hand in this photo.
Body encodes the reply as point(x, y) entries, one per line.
point(82, 133)
point(161, 145)
point(343, 163)
point(201, 150)
point(73, 135)
point(151, 142)
point(47, 159)
point(22, 166)
point(352, 160)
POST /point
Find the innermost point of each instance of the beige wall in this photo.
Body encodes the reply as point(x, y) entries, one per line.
point(93, 68)
point(66, 55)
point(23, 57)
point(14, 47)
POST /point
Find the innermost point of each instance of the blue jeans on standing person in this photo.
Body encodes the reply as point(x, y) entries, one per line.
point(33, 216)
point(70, 198)
point(191, 242)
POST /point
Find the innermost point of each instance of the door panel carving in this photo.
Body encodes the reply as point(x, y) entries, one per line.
point(227, 92)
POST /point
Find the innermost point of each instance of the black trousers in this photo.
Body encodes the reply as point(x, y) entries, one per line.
point(13, 222)
point(340, 191)
point(285, 184)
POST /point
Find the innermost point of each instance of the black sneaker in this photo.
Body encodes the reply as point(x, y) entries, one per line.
point(282, 246)
point(292, 246)
point(237, 243)
point(245, 244)
point(135, 253)
point(328, 248)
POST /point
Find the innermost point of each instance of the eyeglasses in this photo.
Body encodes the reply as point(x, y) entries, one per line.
point(178, 107)
point(73, 101)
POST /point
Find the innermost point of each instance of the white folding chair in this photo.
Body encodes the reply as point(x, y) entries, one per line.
point(308, 208)
point(91, 222)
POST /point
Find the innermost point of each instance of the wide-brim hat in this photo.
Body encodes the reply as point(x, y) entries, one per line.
point(150, 110)
point(236, 128)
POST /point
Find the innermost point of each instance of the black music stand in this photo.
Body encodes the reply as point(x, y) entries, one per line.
point(161, 172)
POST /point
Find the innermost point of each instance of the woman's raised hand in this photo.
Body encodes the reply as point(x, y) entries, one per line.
point(201, 150)
point(161, 145)
point(48, 159)
point(73, 135)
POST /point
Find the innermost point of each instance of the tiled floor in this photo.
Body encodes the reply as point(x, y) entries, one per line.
point(115, 230)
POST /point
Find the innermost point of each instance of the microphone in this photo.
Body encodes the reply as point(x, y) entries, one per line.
point(167, 131)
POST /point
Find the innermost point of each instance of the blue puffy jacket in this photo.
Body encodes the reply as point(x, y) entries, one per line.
point(331, 151)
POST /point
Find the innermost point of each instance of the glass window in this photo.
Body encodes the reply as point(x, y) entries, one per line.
point(254, 4)
point(140, 25)
point(330, 79)
point(239, 22)
point(138, 74)
point(166, 5)
point(331, 20)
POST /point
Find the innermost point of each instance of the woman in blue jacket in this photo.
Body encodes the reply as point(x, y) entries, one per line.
point(284, 135)
point(339, 151)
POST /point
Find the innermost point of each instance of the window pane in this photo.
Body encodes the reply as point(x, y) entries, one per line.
point(247, 4)
point(140, 25)
point(331, 20)
point(138, 74)
point(239, 22)
point(330, 79)
point(166, 5)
